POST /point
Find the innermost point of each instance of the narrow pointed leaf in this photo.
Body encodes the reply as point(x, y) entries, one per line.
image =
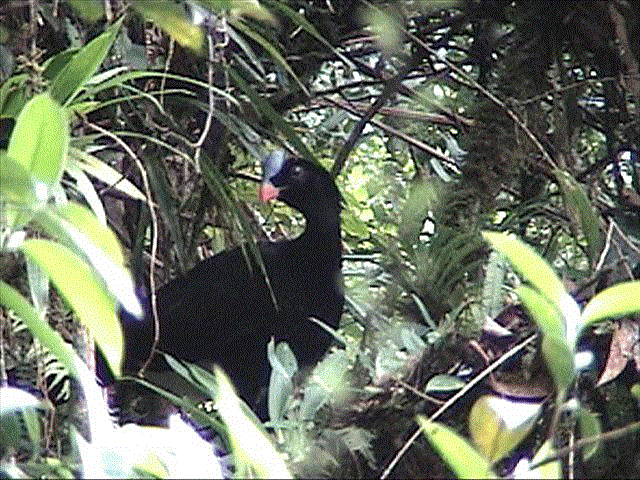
point(76, 282)
point(621, 299)
point(461, 457)
point(72, 78)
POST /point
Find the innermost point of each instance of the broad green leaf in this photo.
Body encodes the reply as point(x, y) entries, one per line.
point(589, 427)
point(528, 264)
point(541, 276)
point(545, 314)
point(283, 367)
point(497, 425)
point(14, 94)
point(461, 457)
point(18, 193)
point(89, 10)
point(40, 141)
point(105, 173)
point(248, 8)
point(38, 327)
point(548, 471)
point(253, 451)
point(621, 299)
point(76, 282)
point(560, 361)
point(581, 210)
point(80, 230)
point(172, 18)
point(73, 77)
point(444, 383)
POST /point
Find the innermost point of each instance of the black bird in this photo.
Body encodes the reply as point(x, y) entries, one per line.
point(222, 312)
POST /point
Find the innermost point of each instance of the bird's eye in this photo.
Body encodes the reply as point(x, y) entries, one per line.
point(296, 171)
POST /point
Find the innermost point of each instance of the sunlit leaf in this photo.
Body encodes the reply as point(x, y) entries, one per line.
point(497, 425)
point(251, 446)
point(76, 282)
point(560, 360)
point(40, 140)
point(105, 173)
point(80, 230)
point(172, 18)
point(38, 326)
point(621, 299)
point(88, 191)
point(461, 457)
point(544, 313)
point(444, 383)
point(527, 263)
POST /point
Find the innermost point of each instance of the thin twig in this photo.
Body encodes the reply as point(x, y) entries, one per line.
point(606, 248)
point(583, 442)
point(154, 237)
point(207, 123)
point(454, 399)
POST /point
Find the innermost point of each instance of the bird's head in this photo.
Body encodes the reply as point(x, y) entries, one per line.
point(303, 185)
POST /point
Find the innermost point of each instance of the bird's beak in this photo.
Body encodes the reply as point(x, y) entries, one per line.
point(268, 191)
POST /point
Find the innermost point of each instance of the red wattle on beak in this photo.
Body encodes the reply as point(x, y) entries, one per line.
point(268, 192)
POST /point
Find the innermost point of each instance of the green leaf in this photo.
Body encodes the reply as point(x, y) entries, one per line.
point(582, 212)
point(528, 264)
point(73, 77)
point(560, 360)
point(253, 451)
point(444, 383)
point(589, 427)
point(172, 18)
point(81, 231)
point(88, 191)
point(461, 457)
point(40, 141)
point(540, 275)
point(621, 299)
point(105, 173)
point(18, 193)
point(548, 470)
point(89, 10)
point(498, 425)
point(76, 282)
point(544, 313)
point(38, 327)
point(557, 348)
point(284, 366)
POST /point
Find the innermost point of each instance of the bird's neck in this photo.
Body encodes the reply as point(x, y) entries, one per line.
point(323, 234)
